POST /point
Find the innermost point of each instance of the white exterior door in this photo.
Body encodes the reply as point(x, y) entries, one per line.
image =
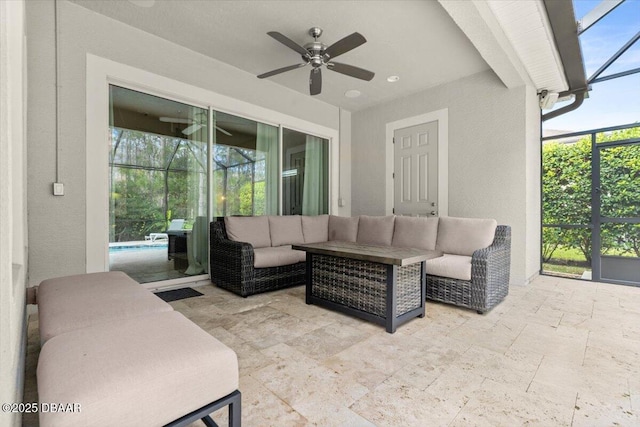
point(415, 181)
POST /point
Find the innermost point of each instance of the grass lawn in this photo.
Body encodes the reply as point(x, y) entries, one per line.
point(564, 269)
point(563, 253)
point(563, 256)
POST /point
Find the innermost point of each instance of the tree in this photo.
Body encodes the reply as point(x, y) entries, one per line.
point(154, 178)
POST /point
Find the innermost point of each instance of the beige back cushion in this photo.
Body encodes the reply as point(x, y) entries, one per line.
point(463, 236)
point(343, 228)
point(250, 229)
point(285, 230)
point(315, 228)
point(375, 230)
point(415, 232)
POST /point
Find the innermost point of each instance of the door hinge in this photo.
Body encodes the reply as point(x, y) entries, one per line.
point(393, 175)
point(394, 140)
point(393, 210)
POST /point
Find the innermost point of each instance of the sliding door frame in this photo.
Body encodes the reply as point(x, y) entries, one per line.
point(103, 72)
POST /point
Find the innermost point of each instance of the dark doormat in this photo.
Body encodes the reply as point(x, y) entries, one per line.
point(178, 294)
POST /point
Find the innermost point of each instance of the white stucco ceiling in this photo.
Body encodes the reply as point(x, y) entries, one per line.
point(425, 42)
point(416, 40)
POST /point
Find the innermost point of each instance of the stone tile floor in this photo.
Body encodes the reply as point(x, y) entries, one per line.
point(557, 352)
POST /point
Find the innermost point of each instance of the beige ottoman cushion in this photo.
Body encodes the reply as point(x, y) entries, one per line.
point(146, 371)
point(74, 302)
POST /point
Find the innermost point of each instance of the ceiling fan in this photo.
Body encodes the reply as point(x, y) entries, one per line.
point(194, 125)
point(318, 54)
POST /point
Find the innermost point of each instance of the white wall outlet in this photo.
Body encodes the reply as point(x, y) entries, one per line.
point(58, 189)
point(340, 202)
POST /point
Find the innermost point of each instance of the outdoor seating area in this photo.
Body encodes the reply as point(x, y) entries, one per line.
point(467, 259)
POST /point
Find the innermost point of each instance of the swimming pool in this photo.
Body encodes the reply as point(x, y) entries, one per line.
point(137, 246)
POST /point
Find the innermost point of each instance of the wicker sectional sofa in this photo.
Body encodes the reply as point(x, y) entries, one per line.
point(468, 265)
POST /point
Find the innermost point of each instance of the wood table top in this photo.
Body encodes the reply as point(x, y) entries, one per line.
point(372, 253)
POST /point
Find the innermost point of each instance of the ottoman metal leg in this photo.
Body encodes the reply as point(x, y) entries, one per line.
point(232, 400)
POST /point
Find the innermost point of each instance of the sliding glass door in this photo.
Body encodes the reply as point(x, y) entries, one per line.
point(158, 187)
point(305, 174)
point(164, 172)
point(245, 166)
point(247, 177)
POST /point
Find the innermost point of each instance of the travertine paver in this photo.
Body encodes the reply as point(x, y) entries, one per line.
point(555, 352)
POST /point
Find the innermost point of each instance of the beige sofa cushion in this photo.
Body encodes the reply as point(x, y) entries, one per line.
point(463, 236)
point(145, 371)
point(415, 232)
point(249, 229)
point(315, 228)
point(285, 230)
point(375, 230)
point(343, 228)
point(452, 266)
point(73, 302)
point(277, 256)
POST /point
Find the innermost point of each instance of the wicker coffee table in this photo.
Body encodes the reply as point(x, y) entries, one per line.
point(381, 284)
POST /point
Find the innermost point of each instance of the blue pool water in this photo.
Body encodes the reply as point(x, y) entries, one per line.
point(136, 247)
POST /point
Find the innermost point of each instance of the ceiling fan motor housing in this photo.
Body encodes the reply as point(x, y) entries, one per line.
point(316, 50)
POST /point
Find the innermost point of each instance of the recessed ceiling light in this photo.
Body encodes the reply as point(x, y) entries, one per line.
point(143, 3)
point(352, 93)
point(393, 79)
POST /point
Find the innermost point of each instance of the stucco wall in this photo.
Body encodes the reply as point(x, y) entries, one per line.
point(491, 156)
point(59, 223)
point(13, 238)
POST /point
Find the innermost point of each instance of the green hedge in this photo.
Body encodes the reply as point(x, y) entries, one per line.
point(566, 187)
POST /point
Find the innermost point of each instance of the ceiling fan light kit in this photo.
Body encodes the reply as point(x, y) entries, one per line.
point(194, 125)
point(317, 54)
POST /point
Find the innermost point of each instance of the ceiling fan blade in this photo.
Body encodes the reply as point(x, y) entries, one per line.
point(345, 45)
point(288, 42)
point(223, 131)
point(175, 120)
point(281, 70)
point(315, 81)
point(191, 129)
point(350, 70)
